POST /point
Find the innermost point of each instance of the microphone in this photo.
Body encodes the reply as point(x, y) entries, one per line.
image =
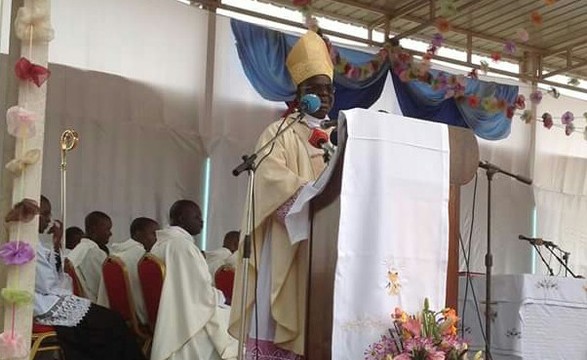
point(327, 124)
point(489, 166)
point(319, 140)
point(537, 241)
point(334, 137)
point(310, 103)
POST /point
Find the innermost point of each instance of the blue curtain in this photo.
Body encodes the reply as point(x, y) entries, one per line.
point(263, 53)
point(419, 100)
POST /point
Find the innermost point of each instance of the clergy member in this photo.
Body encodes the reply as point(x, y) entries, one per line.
point(192, 320)
point(226, 255)
point(142, 238)
point(89, 255)
point(73, 235)
point(282, 269)
point(84, 330)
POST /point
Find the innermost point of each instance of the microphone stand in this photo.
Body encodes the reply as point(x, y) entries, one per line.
point(562, 262)
point(543, 259)
point(249, 165)
point(491, 170)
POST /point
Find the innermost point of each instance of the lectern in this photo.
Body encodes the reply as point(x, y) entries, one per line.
point(325, 213)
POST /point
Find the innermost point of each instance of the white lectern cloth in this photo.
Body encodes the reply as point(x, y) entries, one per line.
point(393, 231)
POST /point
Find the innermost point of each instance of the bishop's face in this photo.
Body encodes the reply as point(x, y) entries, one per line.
point(319, 85)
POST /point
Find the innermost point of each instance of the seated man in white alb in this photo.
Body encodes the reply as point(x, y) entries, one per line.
point(142, 232)
point(192, 320)
point(89, 255)
point(226, 255)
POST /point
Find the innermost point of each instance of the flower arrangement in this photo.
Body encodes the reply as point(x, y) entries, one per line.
point(428, 335)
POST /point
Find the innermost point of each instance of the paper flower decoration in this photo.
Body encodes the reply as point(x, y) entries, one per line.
point(549, 2)
point(554, 93)
point(536, 97)
point(35, 18)
point(442, 25)
point(13, 346)
point(24, 211)
point(473, 74)
point(437, 40)
point(473, 101)
point(569, 129)
point(27, 71)
point(16, 297)
point(20, 122)
point(527, 116)
point(523, 35)
point(547, 120)
point(509, 47)
point(448, 8)
point(16, 253)
point(510, 112)
point(536, 18)
point(574, 82)
point(484, 66)
point(567, 118)
point(16, 166)
point(495, 56)
point(520, 102)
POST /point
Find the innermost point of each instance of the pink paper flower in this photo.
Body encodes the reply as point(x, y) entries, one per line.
point(16, 253)
point(520, 102)
point(536, 97)
point(496, 56)
point(442, 25)
point(27, 71)
point(13, 346)
point(437, 40)
point(20, 122)
point(547, 120)
point(509, 47)
point(567, 118)
point(536, 18)
point(510, 112)
point(523, 35)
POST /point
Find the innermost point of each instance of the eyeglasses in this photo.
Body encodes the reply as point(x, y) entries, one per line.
point(318, 89)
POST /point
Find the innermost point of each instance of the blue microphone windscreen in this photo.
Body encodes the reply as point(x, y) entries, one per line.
point(310, 103)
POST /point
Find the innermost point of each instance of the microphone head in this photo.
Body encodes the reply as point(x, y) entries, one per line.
point(334, 137)
point(310, 103)
point(317, 138)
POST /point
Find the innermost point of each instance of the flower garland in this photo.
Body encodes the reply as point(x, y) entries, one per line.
point(32, 24)
point(404, 65)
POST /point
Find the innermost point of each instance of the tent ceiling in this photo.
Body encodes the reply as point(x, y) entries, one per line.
point(482, 27)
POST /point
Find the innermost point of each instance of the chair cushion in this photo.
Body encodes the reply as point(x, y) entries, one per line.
point(39, 329)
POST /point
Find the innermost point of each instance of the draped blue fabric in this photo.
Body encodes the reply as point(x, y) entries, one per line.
point(263, 53)
point(418, 99)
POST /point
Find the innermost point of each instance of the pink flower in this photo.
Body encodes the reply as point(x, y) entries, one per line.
point(413, 326)
point(567, 118)
point(520, 102)
point(509, 47)
point(442, 25)
point(523, 35)
point(437, 40)
point(536, 96)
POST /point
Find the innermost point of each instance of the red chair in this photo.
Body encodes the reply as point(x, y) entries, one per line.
point(151, 274)
point(120, 297)
point(224, 280)
point(77, 285)
point(44, 338)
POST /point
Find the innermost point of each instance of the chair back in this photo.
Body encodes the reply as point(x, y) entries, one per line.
point(224, 280)
point(151, 274)
point(117, 283)
point(76, 283)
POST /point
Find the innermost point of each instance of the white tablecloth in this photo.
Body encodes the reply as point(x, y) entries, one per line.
point(534, 317)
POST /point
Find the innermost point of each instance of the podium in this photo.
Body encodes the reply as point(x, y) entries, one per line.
point(325, 213)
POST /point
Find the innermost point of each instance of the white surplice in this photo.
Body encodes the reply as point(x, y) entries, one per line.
point(129, 252)
point(192, 322)
point(87, 259)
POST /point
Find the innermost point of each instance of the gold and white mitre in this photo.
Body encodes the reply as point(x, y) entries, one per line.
point(309, 57)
